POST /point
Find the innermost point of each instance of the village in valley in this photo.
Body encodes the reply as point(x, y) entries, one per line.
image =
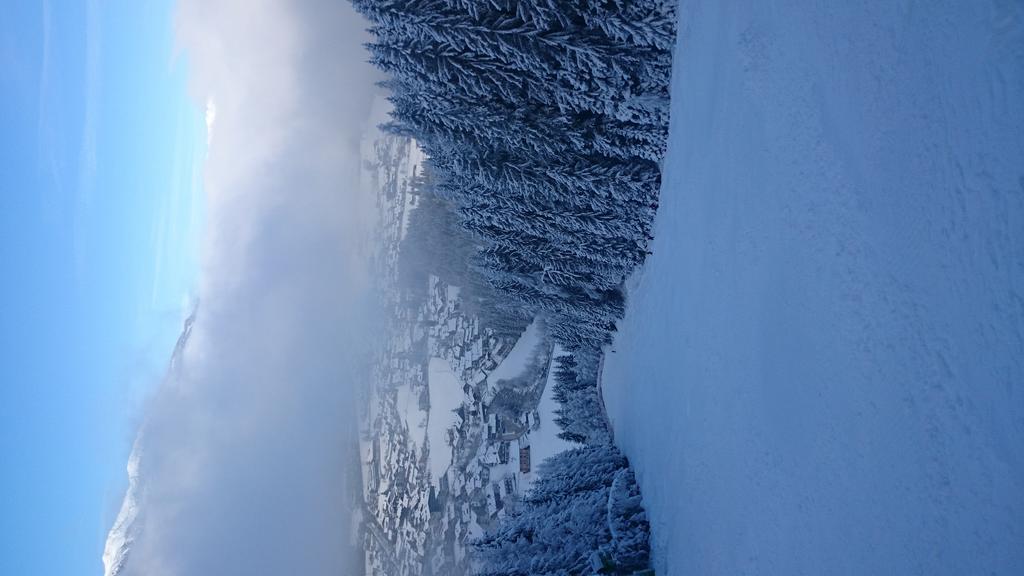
point(455, 417)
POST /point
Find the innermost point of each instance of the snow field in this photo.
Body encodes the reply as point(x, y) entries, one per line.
point(822, 366)
point(445, 396)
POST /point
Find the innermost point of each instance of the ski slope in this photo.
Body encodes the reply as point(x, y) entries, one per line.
point(822, 366)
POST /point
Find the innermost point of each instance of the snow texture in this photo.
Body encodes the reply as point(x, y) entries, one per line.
point(821, 370)
point(122, 534)
point(445, 397)
point(414, 417)
point(544, 442)
point(517, 359)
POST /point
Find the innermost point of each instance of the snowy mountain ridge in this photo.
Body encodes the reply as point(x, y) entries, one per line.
point(122, 534)
point(125, 531)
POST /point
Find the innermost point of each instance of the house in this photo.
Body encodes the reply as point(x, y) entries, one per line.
point(492, 425)
point(524, 459)
point(498, 502)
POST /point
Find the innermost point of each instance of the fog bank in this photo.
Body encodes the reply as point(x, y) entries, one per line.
point(245, 450)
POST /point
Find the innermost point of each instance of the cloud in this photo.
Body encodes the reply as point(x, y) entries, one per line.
point(43, 128)
point(211, 118)
point(174, 238)
point(246, 455)
point(90, 123)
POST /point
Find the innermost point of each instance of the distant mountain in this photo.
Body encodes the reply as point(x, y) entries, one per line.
point(122, 534)
point(127, 526)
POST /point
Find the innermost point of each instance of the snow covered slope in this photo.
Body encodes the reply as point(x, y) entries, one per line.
point(122, 534)
point(822, 366)
point(128, 524)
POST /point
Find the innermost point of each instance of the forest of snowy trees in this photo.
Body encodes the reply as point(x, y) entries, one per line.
point(544, 122)
point(584, 514)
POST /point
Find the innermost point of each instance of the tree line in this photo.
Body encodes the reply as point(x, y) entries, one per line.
point(545, 122)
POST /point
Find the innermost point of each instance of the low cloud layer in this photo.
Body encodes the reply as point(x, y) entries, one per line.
point(246, 453)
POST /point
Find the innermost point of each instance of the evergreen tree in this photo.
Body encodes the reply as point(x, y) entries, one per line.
point(545, 122)
point(585, 503)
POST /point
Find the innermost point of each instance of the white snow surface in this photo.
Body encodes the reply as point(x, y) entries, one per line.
point(515, 362)
point(544, 442)
point(409, 410)
point(122, 534)
point(446, 395)
point(822, 366)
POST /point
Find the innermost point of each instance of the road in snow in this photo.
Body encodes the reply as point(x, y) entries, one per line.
point(822, 366)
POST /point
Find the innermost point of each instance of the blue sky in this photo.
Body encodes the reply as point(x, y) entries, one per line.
point(100, 217)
